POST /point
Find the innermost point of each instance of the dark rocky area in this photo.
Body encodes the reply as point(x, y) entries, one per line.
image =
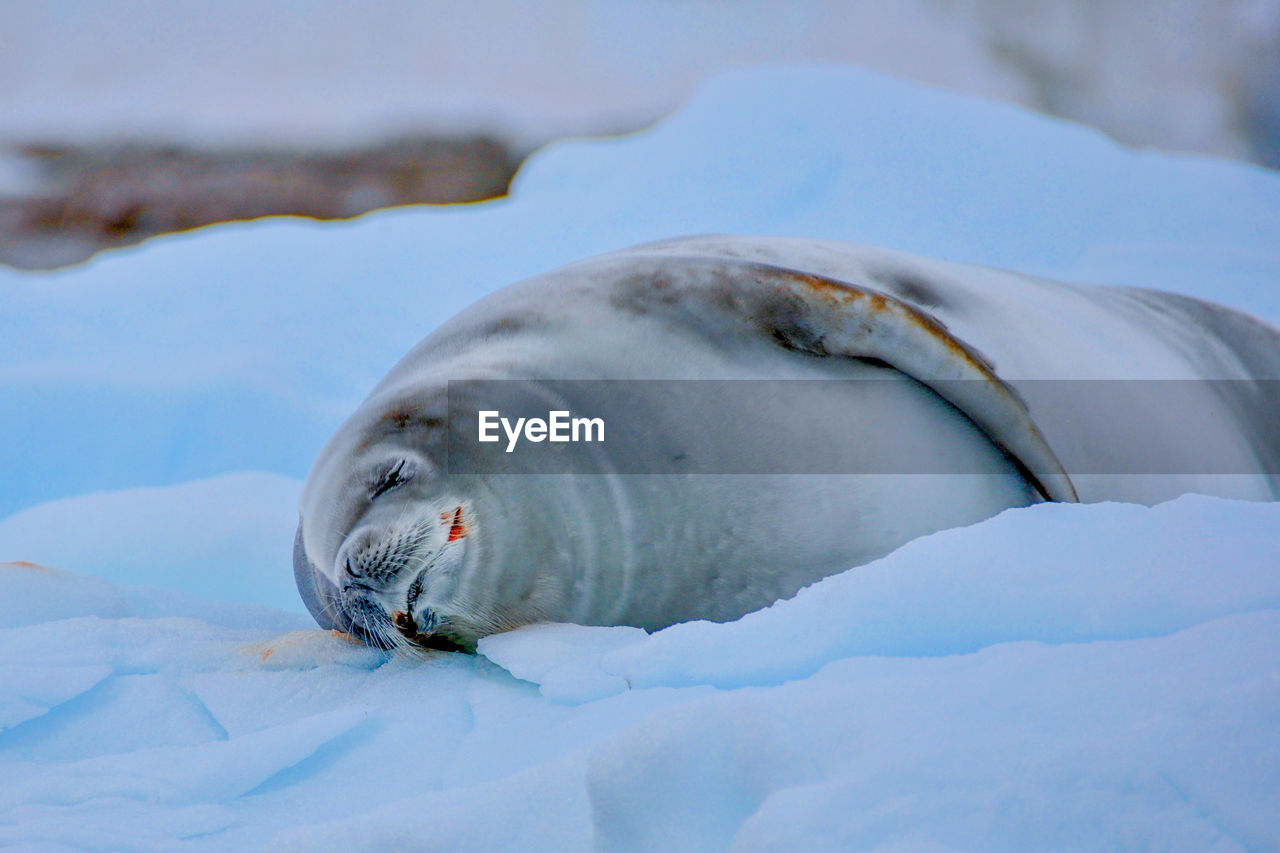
point(93, 198)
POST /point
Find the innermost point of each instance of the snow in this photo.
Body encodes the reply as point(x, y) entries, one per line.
point(1061, 676)
point(1053, 700)
point(224, 534)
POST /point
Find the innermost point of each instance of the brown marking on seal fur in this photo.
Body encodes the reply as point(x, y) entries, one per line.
point(640, 292)
point(404, 623)
point(976, 359)
point(403, 415)
point(458, 529)
point(399, 416)
point(831, 291)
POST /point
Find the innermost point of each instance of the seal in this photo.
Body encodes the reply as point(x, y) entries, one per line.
point(405, 543)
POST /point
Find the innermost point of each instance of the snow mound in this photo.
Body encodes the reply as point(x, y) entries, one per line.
point(225, 535)
point(1050, 700)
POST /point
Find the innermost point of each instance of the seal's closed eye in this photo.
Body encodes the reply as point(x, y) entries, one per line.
point(400, 472)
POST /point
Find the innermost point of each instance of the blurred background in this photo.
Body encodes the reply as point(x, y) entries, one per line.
point(120, 120)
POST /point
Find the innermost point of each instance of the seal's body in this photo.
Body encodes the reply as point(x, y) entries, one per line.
point(398, 542)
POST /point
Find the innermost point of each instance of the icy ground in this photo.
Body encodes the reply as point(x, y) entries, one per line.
point(1063, 677)
point(1060, 677)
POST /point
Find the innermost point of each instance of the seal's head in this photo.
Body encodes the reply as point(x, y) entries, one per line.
point(384, 536)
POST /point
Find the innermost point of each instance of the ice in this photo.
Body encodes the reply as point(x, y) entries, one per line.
point(27, 600)
point(543, 808)
point(1168, 739)
point(1085, 746)
point(224, 534)
point(563, 660)
point(1057, 677)
point(33, 690)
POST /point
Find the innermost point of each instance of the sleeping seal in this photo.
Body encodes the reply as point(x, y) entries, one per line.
point(1006, 389)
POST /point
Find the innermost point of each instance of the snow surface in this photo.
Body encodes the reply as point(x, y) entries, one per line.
point(1061, 677)
point(1064, 677)
point(222, 535)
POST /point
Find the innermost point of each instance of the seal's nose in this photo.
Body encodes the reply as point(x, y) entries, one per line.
point(350, 568)
point(368, 556)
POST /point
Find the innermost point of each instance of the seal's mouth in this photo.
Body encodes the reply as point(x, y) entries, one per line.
point(409, 630)
point(421, 632)
point(364, 618)
point(370, 623)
